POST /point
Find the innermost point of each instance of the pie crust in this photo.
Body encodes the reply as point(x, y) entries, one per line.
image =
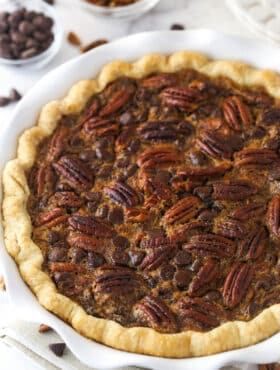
point(29, 258)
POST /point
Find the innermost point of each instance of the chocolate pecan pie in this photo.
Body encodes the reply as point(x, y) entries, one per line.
point(147, 206)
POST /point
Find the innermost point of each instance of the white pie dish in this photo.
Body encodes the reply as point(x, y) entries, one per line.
point(215, 45)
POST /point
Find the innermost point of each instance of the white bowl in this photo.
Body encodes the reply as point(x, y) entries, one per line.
point(55, 85)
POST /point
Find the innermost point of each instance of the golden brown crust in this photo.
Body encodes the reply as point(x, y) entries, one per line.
point(29, 257)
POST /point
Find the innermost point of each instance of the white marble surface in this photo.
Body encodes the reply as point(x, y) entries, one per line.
point(191, 13)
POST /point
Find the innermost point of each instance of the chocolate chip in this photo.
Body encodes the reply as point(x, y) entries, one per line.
point(213, 295)
point(4, 101)
point(131, 169)
point(3, 26)
point(126, 118)
point(76, 141)
point(57, 348)
point(136, 257)
point(264, 282)
point(204, 192)
point(207, 215)
point(93, 196)
point(116, 215)
point(120, 258)
point(104, 154)
point(167, 272)
point(121, 242)
point(182, 258)
point(42, 22)
point(252, 309)
point(18, 37)
point(87, 155)
point(77, 255)
point(50, 2)
point(256, 133)
point(26, 28)
point(95, 260)
point(182, 278)
point(57, 254)
point(6, 51)
point(60, 276)
point(176, 27)
point(105, 171)
point(14, 95)
point(53, 237)
point(164, 176)
point(272, 143)
point(155, 233)
point(198, 158)
point(134, 146)
point(196, 265)
point(103, 211)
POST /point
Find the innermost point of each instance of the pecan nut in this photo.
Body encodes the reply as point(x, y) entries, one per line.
point(269, 116)
point(255, 158)
point(160, 81)
point(136, 215)
point(253, 246)
point(182, 98)
point(159, 156)
point(57, 143)
point(91, 111)
point(153, 312)
point(233, 190)
point(67, 199)
point(182, 211)
point(156, 242)
point(156, 257)
point(86, 242)
point(208, 172)
point(45, 180)
point(236, 113)
point(204, 278)
point(91, 225)
point(210, 245)
point(233, 228)
point(124, 138)
point(101, 127)
point(273, 216)
point(51, 218)
point(122, 194)
point(247, 212)
point(184, 233)
point(74, 171)
point(159, 188)
point(237, 284)
point(118, 100)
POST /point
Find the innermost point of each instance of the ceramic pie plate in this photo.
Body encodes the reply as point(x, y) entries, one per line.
point(54, 86)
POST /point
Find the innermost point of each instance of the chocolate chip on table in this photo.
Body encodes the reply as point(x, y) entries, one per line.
point(4, 101)
point(93, 45)
point(167, 272)
point(14, 95)
point(57, 348)
point(73, 38)
point(176, 27)
point(131, 169)
point(44, 328)
point(50, 2)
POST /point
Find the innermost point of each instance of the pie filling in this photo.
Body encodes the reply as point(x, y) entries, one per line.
point(158, 205)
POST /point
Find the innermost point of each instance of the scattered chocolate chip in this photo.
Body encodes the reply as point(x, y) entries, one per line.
point(95, 260)
point(182, 278)
point(87, 155)
point(44, 328)
point(213, 295)
point(53, 237)
point(182, 258)
point(164, 176)
point(116, 215)
point(120, 258)
point(126, 118)
point(93, 45)
point(57, 254)
point(14, 95)
point(77, 255)
point(50, 2)
point(102, 211)
point(73, 38)
point(198, 158)
point(176, 27)
point(121, 242)
point(57, 348)
point(252, 309)
point(131, 169)
point(136, 257)
point(104, 154)
point(105, 171)
point(134, 146)
point(167, 272)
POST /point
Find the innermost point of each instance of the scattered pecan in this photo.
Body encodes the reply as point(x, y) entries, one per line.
point(74, 171)
point(67, 199)
point(269, 116)
point(160, 81)
point(204, 278)
point(236, 113)
point(115, 280)
point(237, 283)
point(253, 245)
point(273, 216)
point(153, 312)
point(215, 144)
point(118, 100)
point(96, 126)
point(92, 45)
point(123, 194)
point(159, 156)
point(247, 212)
point(86, 242)
point(57, 143)
point(255, 158)
point(51, 218)
point(194, 172)
point(156, 257)
point(233, 228)
point(182, 211)
point(233, 190)
point(203, 313)
point(44, 328)
point(210, 245)
point(91, 225)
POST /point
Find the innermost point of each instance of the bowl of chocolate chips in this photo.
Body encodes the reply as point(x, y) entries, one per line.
point(30, 32)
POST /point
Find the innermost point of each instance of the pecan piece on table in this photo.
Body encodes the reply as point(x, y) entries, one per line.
point(183, 210)
point(51, 218)
point(117, 100)
point(159, 156)
point(91, 225)
point(67, 199)
point(115, 280)
point(153, 312)
point(273, 216)
point(122, 194)
point(156, 257)
point(86, 242)
point(253, 246)
point(210, 245)
point(74, 171)
point(237, 283)
point(96, 126)
point(203, 313)
point(269, 116)
point(255, 158)
point(160, 81)
point(233, 190)
point(249, 211)
point(57, 142)
point(204, 278)
point(236, 113)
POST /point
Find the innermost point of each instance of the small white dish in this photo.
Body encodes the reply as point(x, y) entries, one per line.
point(55, 85)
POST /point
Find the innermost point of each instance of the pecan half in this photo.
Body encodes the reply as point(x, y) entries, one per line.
point(207, 172)
point(74, 171)
point(184, 233)
point(215, 144)
point(183, 210)
point(232, 228)
point(86, 242)
point(203, 313)
point(182, 98)
point(156, 242)
point(210, 245)
point(156, 257)
point(123, 194)
point(233, 190)
point(124, 138)
point(273, 216)
point(159, 156)
point(51, 218)
point(237, 284)
point(136, 215)
point(67, 199)
point(204, 278)
point(90, 111)
point(253, 246)
point(45, 180)
point(153, 312)
point(118, 100)
point(57, 142)
point(269, 116)
point(248, 212)
point(101, 127)
point(255, 158)
point(115, 280)
point(159, 188)
point(236, 113)
point(91, 225)
point(160, 81)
